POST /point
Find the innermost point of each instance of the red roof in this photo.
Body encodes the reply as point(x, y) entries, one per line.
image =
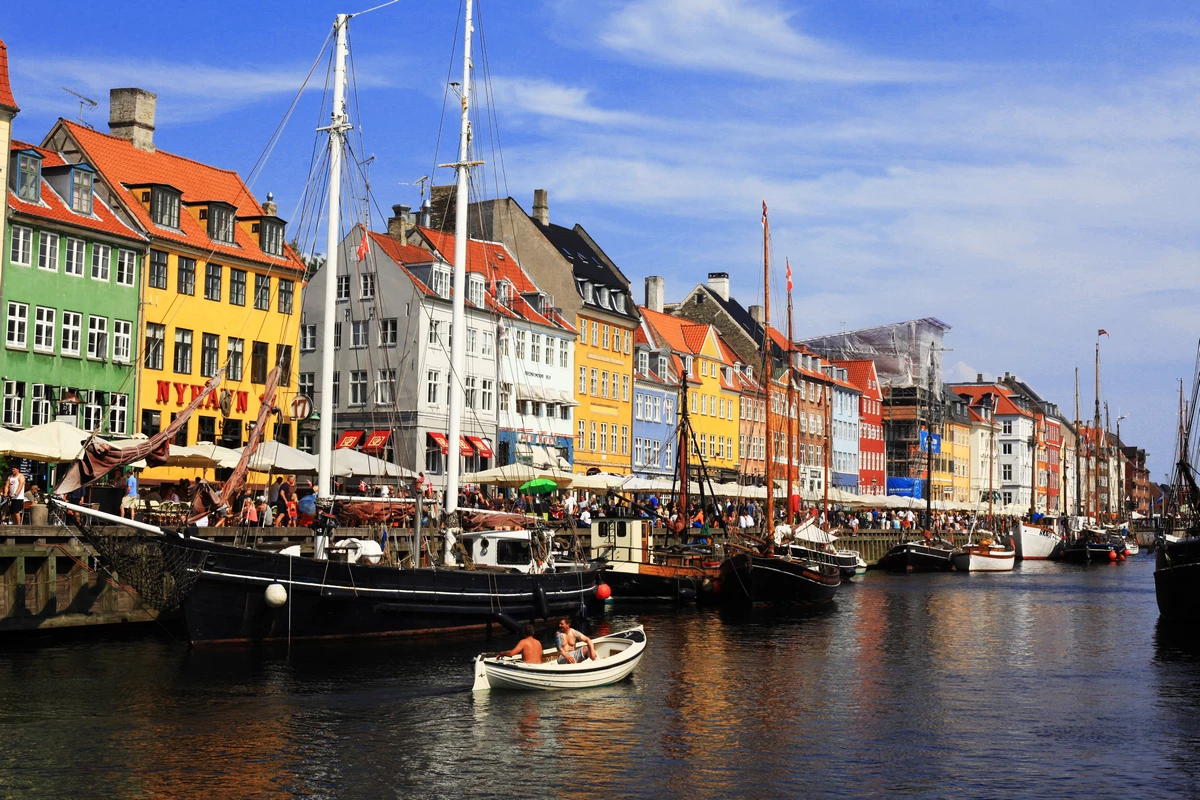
point(122, 165)
point(53, 207)
point(1004, 404)
point(863, 375)
point(6, 96)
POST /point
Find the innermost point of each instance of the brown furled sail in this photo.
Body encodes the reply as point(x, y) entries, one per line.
point(237, 480)
point(100, 458)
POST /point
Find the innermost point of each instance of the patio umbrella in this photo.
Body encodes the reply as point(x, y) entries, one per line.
point(538, 486)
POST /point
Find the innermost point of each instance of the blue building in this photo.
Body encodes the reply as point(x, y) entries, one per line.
point(843, 435)
point(655, 405)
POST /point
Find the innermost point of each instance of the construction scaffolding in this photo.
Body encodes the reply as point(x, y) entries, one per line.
point(902, 351)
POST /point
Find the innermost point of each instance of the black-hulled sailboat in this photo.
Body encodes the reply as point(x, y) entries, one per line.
point(1177, 551)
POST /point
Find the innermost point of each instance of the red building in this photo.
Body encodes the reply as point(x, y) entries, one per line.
point(872, 459)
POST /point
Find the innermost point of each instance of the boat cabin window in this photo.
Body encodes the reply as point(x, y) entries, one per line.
point(513, 552)
point(622, 529)
point(483, 547)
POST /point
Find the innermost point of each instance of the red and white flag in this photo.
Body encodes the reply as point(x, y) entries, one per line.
point(1102, 332)
point(362, 248)
point(789, 273)
point(764, 219)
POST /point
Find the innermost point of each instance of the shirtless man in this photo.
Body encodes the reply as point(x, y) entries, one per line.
point(529, 648)
point(573, 646)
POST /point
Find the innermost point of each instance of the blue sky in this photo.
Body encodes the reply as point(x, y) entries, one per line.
point(1025, 171)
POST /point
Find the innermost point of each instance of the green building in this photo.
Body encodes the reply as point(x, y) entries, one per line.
point(70, 297)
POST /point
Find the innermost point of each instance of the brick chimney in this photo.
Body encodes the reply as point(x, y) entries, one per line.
point(541, 207)
point(131, 116)
point(398, 223)
point(442, 207)
point(719, 283)
point(269, 207)
point(655, 289)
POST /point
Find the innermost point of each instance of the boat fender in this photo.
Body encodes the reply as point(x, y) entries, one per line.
point(687, 595)
point(603, 591)
point(543, 604)
point(507, 621)
point(275, 595)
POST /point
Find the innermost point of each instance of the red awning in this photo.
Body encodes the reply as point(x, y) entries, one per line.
point(348, 440)
point(464, 447)
point(376, 441)
point(481, 446)
point(440, 440)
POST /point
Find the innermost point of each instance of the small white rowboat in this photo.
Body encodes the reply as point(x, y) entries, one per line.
point(618, 655)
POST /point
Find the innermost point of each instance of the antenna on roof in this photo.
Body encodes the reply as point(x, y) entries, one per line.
point(83, 101)
point(418, 182)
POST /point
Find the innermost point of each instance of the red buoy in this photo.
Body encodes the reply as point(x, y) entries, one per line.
point(603, 591)
point(1112, 555)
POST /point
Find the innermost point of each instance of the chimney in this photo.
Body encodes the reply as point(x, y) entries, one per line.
point(1006, 377)
point(131, 116)
point(425, 212)
point(442, 207)
point(654, 293)
point(719, 283)
point(756, 314)
point(398, 223)
point(269, 207)
point(541, 207)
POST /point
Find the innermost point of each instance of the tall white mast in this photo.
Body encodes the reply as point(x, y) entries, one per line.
point(458, 333)
point(337, 132)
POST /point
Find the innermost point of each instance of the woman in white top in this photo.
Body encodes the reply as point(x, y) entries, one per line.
point(14, 490)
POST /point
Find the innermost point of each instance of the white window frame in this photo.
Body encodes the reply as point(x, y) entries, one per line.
point(45, 329)
point(21, 250)
point(97, 338)
point(76, 252)
point(101, 262)
point(17, 325)
point(71, 333)
point(122, 341)
point(126, 267)
point(48, 251)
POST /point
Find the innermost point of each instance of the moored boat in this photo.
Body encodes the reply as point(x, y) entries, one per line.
point(751, 579)
point(928, 555)
point(1039, 542)
point(1094, 546)
point(808, 542)
point(639, 570)
point(617, 656)
point(985, 556)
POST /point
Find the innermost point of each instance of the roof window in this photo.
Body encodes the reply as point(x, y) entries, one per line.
point(164, 206)
point(82, 177)
point(28, 175)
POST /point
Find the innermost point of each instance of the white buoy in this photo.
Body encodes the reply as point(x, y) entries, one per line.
point(276, 595)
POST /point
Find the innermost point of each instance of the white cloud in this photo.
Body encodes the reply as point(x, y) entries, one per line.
point(749, 38)
point(548, 99)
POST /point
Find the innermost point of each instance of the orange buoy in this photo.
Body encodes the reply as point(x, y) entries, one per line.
point(1112, 555)
point(603, 591)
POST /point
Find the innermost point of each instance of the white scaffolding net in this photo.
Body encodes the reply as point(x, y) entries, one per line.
point(901, 351)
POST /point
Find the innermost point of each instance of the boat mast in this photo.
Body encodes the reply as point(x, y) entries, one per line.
point(338, 126)
point(685, 437)
point(929, 449)
point(458, 331)
point(769, 371)
point(1097, 442)
point(791, 401)
point(827, 456)
point(992, 461)
point(1078, 447)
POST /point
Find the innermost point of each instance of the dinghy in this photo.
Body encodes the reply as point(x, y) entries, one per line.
point(618, 655)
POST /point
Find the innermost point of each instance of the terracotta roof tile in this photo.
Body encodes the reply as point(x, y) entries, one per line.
point(123, 166)
point(6, 96)
point(862, 374)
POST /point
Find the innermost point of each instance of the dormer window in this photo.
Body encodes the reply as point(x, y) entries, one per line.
point(475, 290)
point(604, 297)
point(220, 223)
point(662, 367)
point(164, 207)
point(270, 237)
point(687, 367)
point(29, 176)
point(504, 293)
point(589, 293)
point(643, 362)
point(81, 189)
point(440, 281)
point(619, 302)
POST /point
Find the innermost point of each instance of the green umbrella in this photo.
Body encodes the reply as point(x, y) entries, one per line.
point(538, 486)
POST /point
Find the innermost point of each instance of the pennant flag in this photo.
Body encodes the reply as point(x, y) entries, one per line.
point(362, 248)
point(789, 273)
point(764, 219)
point(1102, 332)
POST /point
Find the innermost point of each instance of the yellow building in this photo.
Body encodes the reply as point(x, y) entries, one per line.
point(714, 393)
point(956, 452)
point(220, 287)
point(604, 361)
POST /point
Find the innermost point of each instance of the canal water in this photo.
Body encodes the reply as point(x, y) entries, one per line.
point(1052, 681)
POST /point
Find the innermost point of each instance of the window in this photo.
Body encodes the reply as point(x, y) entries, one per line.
point(624, 441)
point(366, 286)
point(212, 281)
point(535, 347)
point(270, 237)
point(308, 338)
point(287, 296)
point(337, 388)
point(183, 351)
point(283, 360)
point(385, 386)
point(101, 259)
point(604, 436)
point(358, 387)
point(604, 384)
point(343, 287)
point(233, 358)
point(258, 362)
point(118, 412)
point(81, 189)
point(155, 344)
point(387, 332)
point(591, 435)
point(1007, 426)
point(164, 207)
point(487, 348)
point(637, 406)
point(18, 325)
point(14, 398)
point(604, 336)
point(469, 391)
point(210, 353)
point(220, 223)
point(595, 333)
point(1006, 448)
point(43, 329)
point(503, 397)
point(122, 341)
point(1006, 471)
point(74, 261)
point(262, 292)
point(662, 366)
point(237, 287)
point(472, 339)
point(206, 429)
point(360, 334)
point(625, 388)
point(22, 245)
point(432, 381)
point(126, 266)
point(158, 268)
point(687, 367)
point(39, 405)
point(628, 335)
point(520, 345)
point(563, 355)
point(485, 395)
point(29, 175)
point(440, 281)
point(435, 335)
point(643, 362)
point(337, 336)
point(48, 251)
